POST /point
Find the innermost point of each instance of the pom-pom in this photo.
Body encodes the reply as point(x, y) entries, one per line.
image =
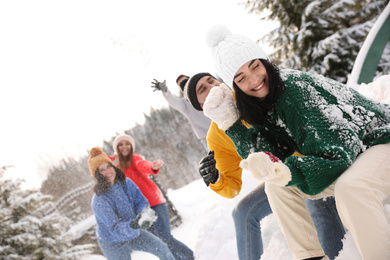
point(216, 34)
point(95, 151)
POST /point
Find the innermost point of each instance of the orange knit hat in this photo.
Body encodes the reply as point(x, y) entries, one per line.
point(97, 157)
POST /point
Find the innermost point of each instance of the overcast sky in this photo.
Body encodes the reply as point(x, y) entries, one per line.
point(76, 72)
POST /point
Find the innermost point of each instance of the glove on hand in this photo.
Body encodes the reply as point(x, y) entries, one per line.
point(157, 85)
point(207, 169)
point(145, 219)
point(266, 167)
point(221, 107)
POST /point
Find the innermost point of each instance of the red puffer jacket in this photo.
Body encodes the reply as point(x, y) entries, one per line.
point(139, 172)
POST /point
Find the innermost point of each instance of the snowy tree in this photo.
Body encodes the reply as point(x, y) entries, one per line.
point(66, 175)
point(384, 62)
point(70, 184)
point(167, 135)
point(322, 36)
point(27, 232)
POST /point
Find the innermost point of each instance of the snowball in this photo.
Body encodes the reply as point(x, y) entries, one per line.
point(148, 214)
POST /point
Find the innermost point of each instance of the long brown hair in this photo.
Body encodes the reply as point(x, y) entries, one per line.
point(102, 185)
point(124, 161)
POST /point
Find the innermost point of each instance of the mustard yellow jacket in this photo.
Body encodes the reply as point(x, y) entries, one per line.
point(228, 162)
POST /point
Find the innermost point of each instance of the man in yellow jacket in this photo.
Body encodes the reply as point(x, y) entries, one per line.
point(221, 171)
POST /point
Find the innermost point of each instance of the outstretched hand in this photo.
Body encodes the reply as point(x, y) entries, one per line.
point(156, 164)
point(157, 85)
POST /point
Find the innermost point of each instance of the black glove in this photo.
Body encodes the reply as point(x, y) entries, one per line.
point(207, 169)
point(134, 223)
point(157, 85)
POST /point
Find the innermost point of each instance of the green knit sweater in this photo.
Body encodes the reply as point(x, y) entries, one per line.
point(320, 118)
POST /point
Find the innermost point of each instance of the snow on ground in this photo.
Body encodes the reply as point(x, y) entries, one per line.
point(208, 228)
point(378, 90)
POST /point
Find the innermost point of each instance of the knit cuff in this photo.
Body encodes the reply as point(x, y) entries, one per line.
point(244, 146)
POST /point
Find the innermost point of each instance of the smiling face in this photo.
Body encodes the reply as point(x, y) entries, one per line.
point(124, 147)
point(252, 79)
point(108, 171)
point(203, 88)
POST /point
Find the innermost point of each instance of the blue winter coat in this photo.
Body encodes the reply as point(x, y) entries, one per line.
point(115, 210)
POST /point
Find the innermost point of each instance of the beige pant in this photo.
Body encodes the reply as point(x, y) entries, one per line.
point(359, 193)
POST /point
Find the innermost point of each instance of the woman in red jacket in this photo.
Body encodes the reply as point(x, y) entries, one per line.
point(138, 170)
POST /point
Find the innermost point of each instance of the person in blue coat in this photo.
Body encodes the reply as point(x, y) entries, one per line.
point(122, 213)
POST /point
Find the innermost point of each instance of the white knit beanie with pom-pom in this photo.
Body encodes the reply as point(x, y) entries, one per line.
point(231, 51)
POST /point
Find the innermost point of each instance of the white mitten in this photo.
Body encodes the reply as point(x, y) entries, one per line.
point(221, 107)
point(266, 167)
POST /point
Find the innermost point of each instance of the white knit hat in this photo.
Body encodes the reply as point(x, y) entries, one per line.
point(230, 51)
point(120, 138)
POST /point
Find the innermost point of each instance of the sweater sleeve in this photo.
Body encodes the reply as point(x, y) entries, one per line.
point(175, 102)
point(319, 126)
point(228, 163)
point(249, 140)
point(144, 166)
point(118, 228)
point(327, 156)
point(138, 199)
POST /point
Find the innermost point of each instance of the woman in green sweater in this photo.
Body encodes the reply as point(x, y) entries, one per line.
point(344, 136)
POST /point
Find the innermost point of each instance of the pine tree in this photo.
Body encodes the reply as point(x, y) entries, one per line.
point(166, 134)
point(27, 232)
point(70, 184)
point(322, 36)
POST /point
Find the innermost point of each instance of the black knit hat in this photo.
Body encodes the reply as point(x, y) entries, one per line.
point(190, 89)
point(182, 84)
point(183, 81)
